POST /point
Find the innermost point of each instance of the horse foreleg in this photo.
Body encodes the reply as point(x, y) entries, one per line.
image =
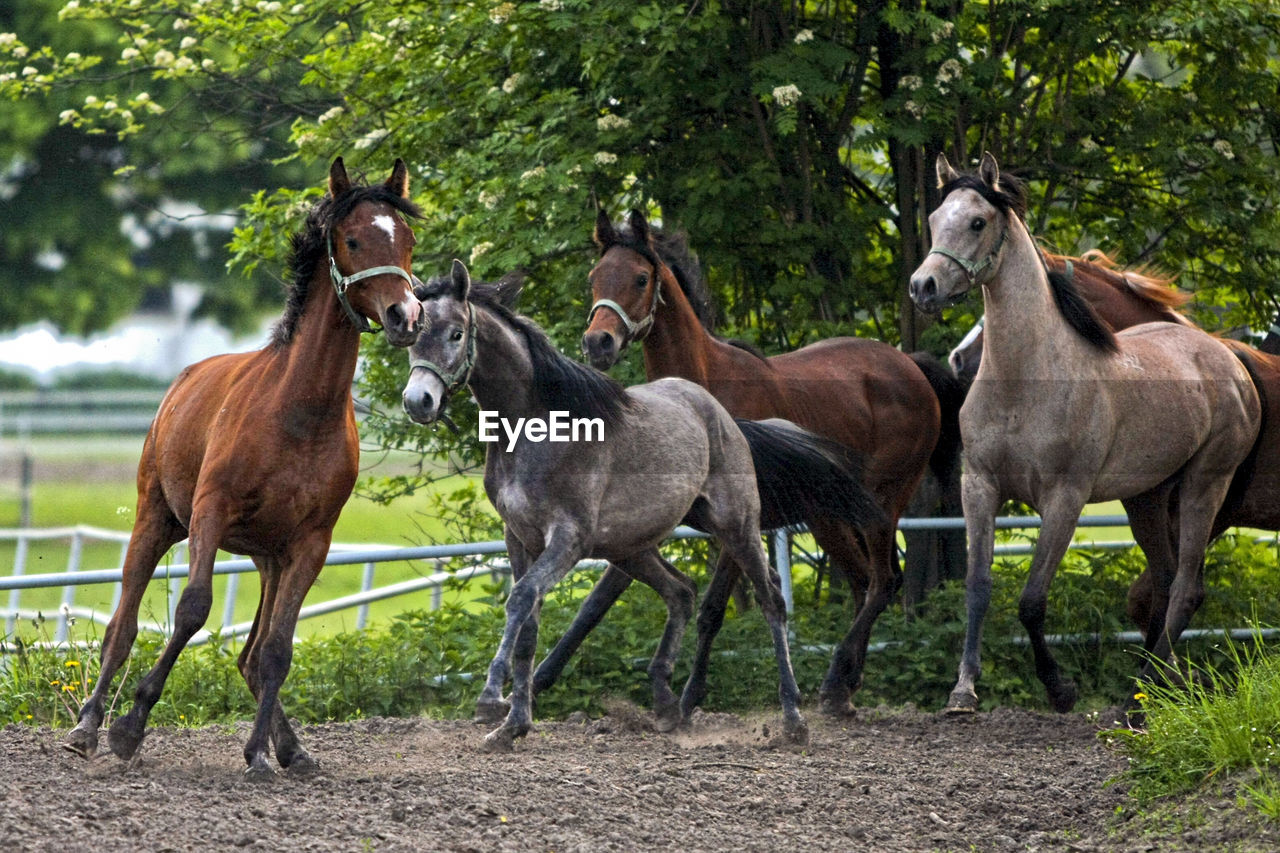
point(154, 533)
point(981, 503)
point(679, 594)
point(562, 552)
point(1152, 526)
point(844, 675)
point(297, 575)
point(289, 751)
point(490, 706)
point(207, 526)
point(1060, 514)
point(710, 619)
point(612, 583)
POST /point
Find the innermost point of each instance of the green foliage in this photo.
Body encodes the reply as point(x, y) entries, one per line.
point(1221, 718)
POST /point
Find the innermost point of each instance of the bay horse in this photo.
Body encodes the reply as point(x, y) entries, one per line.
point(864, 394)
point(666, 453)
point(257, 453)
point(1063, 412)
point(1125, 297)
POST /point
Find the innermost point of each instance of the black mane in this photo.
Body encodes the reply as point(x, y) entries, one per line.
point(1010, 198)
point(673, 250)
point(562, 384)
point(308, 247)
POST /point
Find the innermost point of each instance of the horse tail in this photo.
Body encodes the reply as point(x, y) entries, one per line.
point(1244, 473)
point(802, 477)
point(950, 391)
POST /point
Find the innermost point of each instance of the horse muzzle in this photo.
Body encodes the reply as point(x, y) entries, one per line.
point(601, 348)
point(402, 321)
point(424, 396)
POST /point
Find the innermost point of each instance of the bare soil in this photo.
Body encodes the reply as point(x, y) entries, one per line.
point(884, 781)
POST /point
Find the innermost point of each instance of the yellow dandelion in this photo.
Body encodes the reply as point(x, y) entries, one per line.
point(1140, 696)
point(66, 688)
point(54, 683)
point(72, 663)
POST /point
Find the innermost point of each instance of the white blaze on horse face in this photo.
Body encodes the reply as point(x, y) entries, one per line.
point(387, 224)
point(964, 344)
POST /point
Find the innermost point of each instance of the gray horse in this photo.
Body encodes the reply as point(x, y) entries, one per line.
point(1063, 412)
point(665, 453)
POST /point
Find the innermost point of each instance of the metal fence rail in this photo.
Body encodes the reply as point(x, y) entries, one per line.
point(369, 556)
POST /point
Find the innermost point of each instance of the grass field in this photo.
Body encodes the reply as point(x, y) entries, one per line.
point(91, 483)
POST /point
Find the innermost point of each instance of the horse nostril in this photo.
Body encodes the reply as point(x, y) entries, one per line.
point(395, 317)
point(419, 406)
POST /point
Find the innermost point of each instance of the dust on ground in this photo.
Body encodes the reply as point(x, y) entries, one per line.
point(900, 780)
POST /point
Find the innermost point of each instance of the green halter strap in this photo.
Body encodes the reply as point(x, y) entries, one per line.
point(341, 283)
point(636, 330)
point(456, 378)
point(973, 269)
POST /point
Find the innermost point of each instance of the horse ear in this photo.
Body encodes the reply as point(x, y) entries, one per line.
point(460, 280)
point(398, 183)
point(989, 170)
point(639, 226)
point(419, 289)
point(946, 174)
point(509, 287)
point(339, 183)
point(604, 235)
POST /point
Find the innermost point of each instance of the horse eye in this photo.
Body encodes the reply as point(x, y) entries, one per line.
point(352, 244)
point(642, 280)
point(456, 336)
point(978, 224)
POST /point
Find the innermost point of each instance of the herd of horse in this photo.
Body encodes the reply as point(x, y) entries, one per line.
point(1082, 383)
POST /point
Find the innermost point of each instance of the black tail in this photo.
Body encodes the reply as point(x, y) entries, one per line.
point(802, 477)
point(950, 391)
point(1244, 474)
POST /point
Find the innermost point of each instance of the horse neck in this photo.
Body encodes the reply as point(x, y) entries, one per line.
point(320, 358)
point(678, 344)
point(502, 378)
point(1024, 335)
point(1117, 304)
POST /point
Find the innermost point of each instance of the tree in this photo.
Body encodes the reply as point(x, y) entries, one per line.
point(794, 142)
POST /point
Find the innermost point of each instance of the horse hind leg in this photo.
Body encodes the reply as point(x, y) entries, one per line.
point(154, 533)
point(844, 675)
point(679, 593)
point(126, 733)
point(745, 548)
point(724, 576)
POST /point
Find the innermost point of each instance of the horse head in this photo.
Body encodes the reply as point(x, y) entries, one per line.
point(370, 255)
point(969, 229)
point(626, 288)
point(441, 358)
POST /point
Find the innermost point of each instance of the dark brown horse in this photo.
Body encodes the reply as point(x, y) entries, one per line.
point(864, 394)
point(257, 453)
point(1124, 298)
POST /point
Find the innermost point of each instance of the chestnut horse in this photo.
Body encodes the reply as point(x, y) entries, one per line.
point(1124, 298)
point(1064, 412)
point(257, 453)
point(864, 394)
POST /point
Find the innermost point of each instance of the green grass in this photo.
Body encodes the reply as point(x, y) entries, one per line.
point(1223, 723)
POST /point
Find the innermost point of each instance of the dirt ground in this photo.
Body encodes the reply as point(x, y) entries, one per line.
point(884, 781)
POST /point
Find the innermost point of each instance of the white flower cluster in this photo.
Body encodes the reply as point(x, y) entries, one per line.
point(479, 249)
point(785, 96)
point(950, 70)
point(1223, 147)
point(509, 85)
point(551, 5)
point(502, 12)
point(612, 122)
point(535, 172)
point(605, 158)
point(803, 36)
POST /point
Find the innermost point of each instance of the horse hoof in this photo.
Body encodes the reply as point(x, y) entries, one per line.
point(259, 770)
point(123, 739)
point(667, 720)
point(82, 741)
point(838, 706)
point(499, 740)
point(1063, 699)
point(492, 712)
point(962, 702)
point(796, 731)
point(301, 764)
